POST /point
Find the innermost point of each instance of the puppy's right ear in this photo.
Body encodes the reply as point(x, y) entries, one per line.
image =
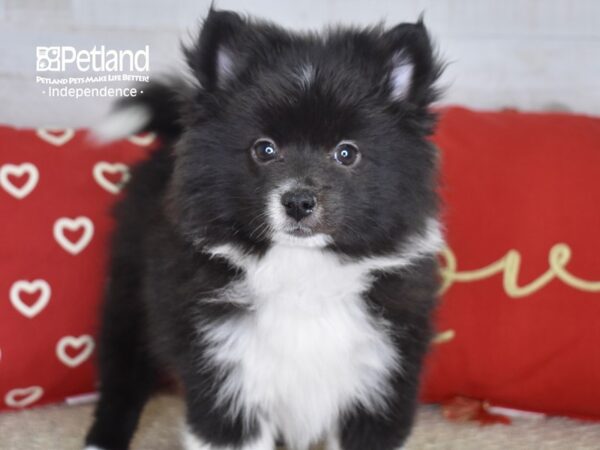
point(213, 57)
point(413, 66)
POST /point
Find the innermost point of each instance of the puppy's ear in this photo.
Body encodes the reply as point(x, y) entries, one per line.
point(412, 66)
point(213, 58)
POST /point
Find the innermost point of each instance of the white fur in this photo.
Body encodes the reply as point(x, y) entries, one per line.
point(225, 66)
point(316, 240)
point(265, 441)
point(122, 123)
point(416, 247)
point(93, 447)
point(307, 349)
point(401, 76)
point(305, 75)
point(234, 255)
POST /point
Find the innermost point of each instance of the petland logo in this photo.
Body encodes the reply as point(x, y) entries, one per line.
point(98, 59)
point(65, 71)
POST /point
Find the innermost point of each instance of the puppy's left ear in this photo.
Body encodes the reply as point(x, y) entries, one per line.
point(217, 54)
point(412, 67)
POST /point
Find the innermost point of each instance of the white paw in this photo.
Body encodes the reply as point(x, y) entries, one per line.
point(191, 442)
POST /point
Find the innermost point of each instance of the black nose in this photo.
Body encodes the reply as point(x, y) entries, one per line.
point(299, 204)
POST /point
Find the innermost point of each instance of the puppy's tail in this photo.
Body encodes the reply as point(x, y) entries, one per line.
point(156, 108)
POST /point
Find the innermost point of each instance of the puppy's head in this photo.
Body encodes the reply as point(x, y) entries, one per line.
point(302, 139)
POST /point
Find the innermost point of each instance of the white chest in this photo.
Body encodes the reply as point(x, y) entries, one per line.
point(307, 349)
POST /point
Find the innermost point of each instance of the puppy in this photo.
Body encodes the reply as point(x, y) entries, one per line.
point(277, 255)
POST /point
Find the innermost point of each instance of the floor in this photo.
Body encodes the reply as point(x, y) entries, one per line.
point(63, 427)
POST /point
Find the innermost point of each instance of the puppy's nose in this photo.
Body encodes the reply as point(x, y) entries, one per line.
point(299, 204)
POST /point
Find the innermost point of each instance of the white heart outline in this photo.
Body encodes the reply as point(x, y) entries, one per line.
point(18, 170)
point(29, 287)
point(45, 134)
point(85, 341)
point(142, 141)
point(104, 166)
point(73, 224)
point(30, 395)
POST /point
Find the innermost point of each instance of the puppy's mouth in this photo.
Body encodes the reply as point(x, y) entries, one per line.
point(299, 230)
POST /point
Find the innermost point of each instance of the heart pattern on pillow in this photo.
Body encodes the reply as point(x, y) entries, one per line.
point(72, 351)
point(24, 170)
point(22, 397)
point(55, 136)
point(57, 188)
point(39, 287)
point(143, 140)
point(102, 168)
point(82, 225)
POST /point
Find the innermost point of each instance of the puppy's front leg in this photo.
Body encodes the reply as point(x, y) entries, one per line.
point(388, 427)
point(408, 311)
point(374, 430)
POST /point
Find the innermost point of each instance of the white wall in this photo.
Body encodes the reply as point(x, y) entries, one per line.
point(529, 54)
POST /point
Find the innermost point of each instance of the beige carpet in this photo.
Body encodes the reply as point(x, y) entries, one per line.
point(63, 427)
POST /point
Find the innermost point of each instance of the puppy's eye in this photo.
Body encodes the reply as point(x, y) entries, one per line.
point(346, 154)
point(264, 151)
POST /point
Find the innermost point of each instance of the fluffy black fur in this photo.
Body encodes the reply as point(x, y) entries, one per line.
point(202, 189)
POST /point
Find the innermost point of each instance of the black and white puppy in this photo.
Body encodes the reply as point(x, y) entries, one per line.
point(277, 255)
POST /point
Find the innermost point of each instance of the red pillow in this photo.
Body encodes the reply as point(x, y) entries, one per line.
point(520, 318)
point(512, 183)
point(55, 194)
